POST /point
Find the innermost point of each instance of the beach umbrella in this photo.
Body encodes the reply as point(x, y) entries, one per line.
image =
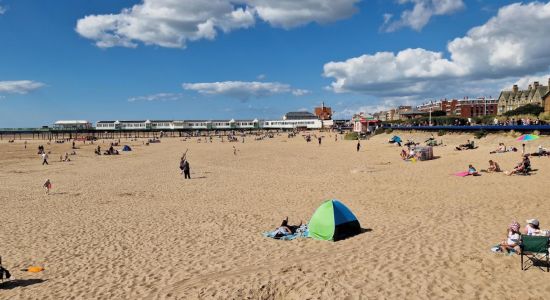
point(527, 137)
point(333, 221)
point(396, 139)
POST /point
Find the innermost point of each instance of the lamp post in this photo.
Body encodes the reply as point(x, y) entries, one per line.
point(431, 105)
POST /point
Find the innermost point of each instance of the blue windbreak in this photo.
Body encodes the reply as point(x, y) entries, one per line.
point(342, 214)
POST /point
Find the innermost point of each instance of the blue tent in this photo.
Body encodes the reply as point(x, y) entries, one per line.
point(395, 139)
point(126, 148)
point(333, 221)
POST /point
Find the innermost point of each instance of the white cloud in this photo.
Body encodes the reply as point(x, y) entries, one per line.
point(508, 45)
point(19, 86)
point(300, 92)
point(385, 104)
point(165, 23)
point(292, 13)
point(527, 80)
point(421, 13)
point(2, 10)
point(170, 23)
point(157, 97)
point(243, 90)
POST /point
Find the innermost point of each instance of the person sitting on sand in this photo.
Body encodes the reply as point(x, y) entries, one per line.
point(472, 171)
point(493, 166)
point(523, 166)
point(513, 238)
point(533, 227)
point(412, 153)
point(403, 154)
point(468, 146)
point(410, 143)
point(501, 149)
point(541, 152)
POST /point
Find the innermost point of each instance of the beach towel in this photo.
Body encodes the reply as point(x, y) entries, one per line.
point(462, 174)
point(301, 232)
point(496, 249)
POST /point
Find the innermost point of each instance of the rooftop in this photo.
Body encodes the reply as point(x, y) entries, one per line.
point(65, 122)
point(299, 115)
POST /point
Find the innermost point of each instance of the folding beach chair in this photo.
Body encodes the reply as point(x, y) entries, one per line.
point(535, 248)
point(526, 171)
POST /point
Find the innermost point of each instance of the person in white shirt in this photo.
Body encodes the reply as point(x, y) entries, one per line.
point(513, 239)
point(45, 158)
point(533, 227)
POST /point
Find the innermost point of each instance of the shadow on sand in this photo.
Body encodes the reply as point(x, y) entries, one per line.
point(11, 284)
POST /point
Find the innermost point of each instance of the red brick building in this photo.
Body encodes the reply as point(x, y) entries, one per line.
point(466, 108)
point(323, 112)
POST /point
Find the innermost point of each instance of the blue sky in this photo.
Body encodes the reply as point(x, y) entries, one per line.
point(69, 59)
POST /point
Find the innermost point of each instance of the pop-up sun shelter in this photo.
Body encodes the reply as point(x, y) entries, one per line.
point(126, 148)
point(396, 139)
point(333, 221)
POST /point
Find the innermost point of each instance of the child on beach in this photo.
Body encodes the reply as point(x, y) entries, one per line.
point(47, 186)
point(404, 154)
point(472, 171)
point(493, 167)
point(513, 239)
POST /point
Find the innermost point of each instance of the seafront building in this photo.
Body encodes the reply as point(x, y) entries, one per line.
point(465, 108)
point(291, 120)
point(534, 94)
point(364, 123)
point(323, 112)
point(72, 124)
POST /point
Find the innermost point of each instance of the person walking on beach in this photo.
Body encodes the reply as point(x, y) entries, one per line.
point(319, 141)
point(47, 186)
point(186, 169)
point(358, 145)
point(182, 162)
point(45, 158)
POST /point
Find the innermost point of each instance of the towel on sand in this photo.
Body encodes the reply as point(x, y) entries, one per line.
point(462, 174)
point(301, 232)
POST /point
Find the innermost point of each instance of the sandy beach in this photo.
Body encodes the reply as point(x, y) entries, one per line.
point(130, 226)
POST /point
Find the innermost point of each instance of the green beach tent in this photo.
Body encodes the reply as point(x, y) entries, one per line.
point(333, 221)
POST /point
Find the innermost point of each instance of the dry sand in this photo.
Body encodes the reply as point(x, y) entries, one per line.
point(130, 226)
